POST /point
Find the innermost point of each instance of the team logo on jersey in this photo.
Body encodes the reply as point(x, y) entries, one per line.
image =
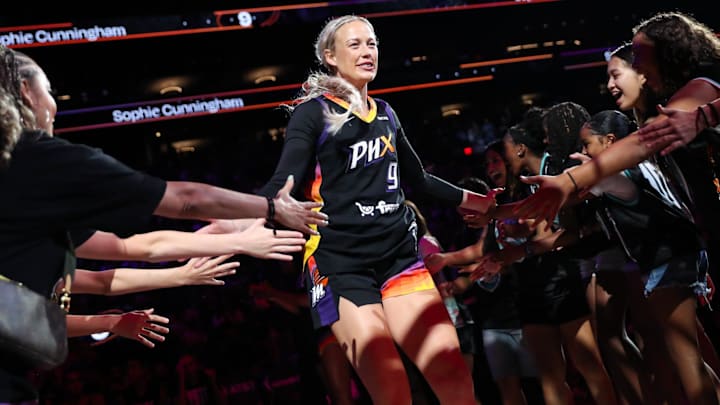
point(367, 152)
point(381, 207)
point(317, 292)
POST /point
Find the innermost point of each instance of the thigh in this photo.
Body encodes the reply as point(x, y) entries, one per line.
point(363, 334)
point(500, 350)
point(421, 325)
point(544, 342)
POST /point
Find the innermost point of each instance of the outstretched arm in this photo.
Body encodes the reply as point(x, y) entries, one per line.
point(426, 183)
point(126, 281)
point(437, 261)
point(136, 325)
point(681, 126)
point(255, 240)
point(189, 200)
point(554, 191)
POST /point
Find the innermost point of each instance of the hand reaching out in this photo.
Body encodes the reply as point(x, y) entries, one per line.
point(295, 214)
point(479, 209)
point(679, 129)
point(435, 262)
point(263, 243)
point(138, 325)
point(545, 203)
point(206, 270)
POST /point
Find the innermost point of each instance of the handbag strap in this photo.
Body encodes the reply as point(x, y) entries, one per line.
point(68, 274)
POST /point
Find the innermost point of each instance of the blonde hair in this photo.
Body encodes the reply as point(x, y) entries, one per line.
point(319, 83)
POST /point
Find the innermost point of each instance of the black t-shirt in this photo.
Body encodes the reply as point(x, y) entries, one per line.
point(52, 187)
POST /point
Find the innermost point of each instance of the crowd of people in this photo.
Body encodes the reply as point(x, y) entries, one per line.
point(583, 274)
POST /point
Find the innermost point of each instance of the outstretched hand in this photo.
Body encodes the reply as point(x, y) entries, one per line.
point(206, 270)
point(486, 266)
point(679, 129)
point(139, 325)
point(480, 208)
point(435, 262)
point(264, 243)
point(545, 203)
point(296, 214)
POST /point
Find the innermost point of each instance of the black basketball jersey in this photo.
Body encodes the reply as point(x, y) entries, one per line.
point(357, 174)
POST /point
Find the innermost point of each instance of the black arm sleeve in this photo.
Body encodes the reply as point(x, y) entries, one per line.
point(415, 175)
point(305, 124)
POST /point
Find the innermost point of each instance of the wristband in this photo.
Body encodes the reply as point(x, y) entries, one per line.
point(271, 214)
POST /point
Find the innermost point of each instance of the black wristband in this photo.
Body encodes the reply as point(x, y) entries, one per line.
point(271, 214)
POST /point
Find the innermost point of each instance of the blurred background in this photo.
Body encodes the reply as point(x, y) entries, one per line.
point(190, 91)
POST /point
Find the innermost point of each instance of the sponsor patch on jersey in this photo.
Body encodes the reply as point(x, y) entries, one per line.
point(382, 208)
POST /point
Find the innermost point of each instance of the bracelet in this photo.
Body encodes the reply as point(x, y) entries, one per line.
point(573, 181)
point(271, 214)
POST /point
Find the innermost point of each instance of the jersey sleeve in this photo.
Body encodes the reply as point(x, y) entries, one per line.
point(413, 173)
point(305, 125)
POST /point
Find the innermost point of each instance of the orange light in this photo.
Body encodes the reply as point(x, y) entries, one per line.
point(506, 61)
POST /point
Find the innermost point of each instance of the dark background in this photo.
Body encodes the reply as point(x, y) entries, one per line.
point(244, 341)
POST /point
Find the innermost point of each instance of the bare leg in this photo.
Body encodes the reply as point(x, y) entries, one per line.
point(709, 354)
point(578, 339)
point(674, 310)
point(545, 344)
point(654, 349)
point(337, 374)
point(511, 390)
point(621, 357)
point(421, 326)
point(364, 335)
